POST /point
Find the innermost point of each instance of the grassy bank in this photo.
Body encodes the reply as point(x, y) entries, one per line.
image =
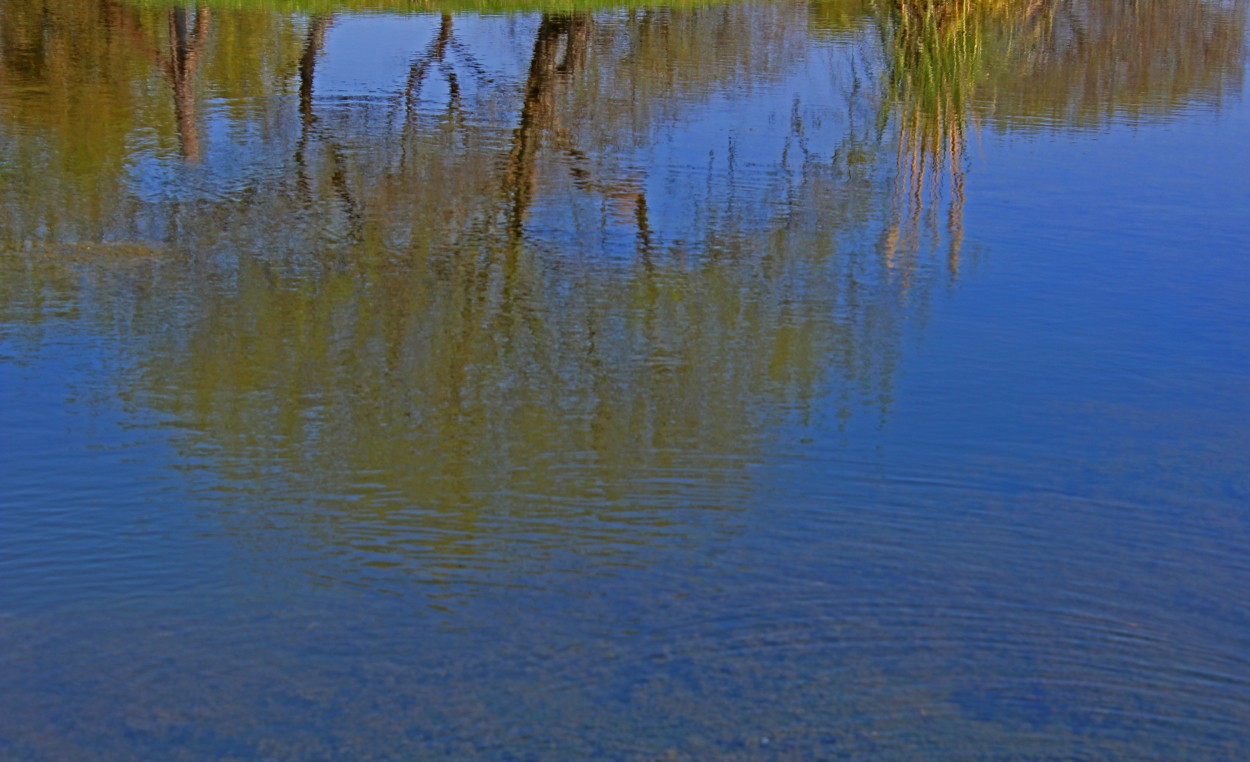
point(419, 6)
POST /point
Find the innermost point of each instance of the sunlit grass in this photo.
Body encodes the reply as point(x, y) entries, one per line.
point(422, 6)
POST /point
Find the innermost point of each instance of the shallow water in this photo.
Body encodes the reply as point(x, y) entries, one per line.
point(751, 381)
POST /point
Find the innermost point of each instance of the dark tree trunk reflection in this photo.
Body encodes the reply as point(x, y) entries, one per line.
point(188, 33)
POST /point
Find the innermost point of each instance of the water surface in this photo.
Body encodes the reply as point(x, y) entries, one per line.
point(752, 381)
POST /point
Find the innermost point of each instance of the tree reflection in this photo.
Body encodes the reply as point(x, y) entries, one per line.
point(473, 306)
point(188, 31)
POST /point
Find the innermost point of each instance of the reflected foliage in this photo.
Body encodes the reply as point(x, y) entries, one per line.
point(468, 316)
point(481, 293)
point(949, 67)
point(503, 385)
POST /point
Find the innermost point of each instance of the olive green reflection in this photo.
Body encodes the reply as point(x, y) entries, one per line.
point(453, 308)
point(383, 325)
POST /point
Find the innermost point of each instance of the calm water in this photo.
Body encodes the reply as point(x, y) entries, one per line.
point(755, 381)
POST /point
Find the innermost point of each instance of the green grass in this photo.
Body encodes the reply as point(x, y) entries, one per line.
point(421, 6)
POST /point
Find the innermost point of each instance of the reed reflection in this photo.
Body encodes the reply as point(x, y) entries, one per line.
point(950, 67)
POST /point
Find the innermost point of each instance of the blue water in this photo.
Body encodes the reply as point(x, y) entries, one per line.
point(351, 436)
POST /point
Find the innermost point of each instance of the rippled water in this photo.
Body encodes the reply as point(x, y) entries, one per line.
point(751, 381)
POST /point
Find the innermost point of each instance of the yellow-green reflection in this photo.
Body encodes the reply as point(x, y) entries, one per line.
point(456, 304)
point(382, 325)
